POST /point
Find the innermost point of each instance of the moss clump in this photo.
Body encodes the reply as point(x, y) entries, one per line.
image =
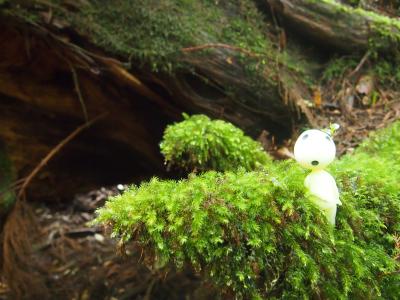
point(256, 233)
point(7, 196)
point(198, 143)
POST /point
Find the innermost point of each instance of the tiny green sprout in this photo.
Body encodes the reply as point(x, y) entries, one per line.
point(332, 129)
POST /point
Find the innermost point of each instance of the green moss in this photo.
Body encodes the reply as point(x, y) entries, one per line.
point(257, 233)
point(338, 66)
point(385, 70)
point(370, 180)
point(154, 32)
point(151, 35)
point(199, 143)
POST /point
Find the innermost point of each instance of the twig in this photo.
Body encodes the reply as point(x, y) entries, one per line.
point(54, 151)
point(78, 90)
point(362, 61)
point(220, 45)
point(13, 186)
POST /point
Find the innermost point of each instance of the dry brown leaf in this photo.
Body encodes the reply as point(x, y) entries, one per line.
point(284, 153)
point(365, 85)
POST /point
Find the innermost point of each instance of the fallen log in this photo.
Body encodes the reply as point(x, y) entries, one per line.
point(60, 67)
point(340, 26)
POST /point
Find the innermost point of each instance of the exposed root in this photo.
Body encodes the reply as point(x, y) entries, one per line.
point(53, 152)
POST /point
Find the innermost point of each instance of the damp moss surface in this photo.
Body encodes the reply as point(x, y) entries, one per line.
point(155, 32)
point(152, 35)
point(257, 234)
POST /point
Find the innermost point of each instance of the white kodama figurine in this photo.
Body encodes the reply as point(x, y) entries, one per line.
point(315, 149)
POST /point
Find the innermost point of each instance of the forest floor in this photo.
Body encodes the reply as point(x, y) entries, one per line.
point(80, 261)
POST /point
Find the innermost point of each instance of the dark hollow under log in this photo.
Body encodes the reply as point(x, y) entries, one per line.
point(40, 106)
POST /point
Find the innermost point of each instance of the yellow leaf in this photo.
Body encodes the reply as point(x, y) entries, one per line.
point(317, 97)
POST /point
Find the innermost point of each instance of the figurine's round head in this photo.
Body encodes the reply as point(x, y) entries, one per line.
point(314, 149)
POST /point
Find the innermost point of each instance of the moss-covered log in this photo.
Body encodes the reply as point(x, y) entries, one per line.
point(340, 26)
point(257, 234)
point(62, 64)
point(211, 57)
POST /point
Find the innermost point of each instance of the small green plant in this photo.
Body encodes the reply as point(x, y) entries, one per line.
point(338, 67)
point(257, 234)
point(198, 143)
point(387, 72)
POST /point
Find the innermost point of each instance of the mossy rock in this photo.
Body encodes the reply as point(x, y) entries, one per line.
point(257, 233)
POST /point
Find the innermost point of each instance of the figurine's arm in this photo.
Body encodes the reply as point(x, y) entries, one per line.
point(334, 189)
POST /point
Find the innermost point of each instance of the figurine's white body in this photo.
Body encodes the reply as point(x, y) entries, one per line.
point(315, 149)
point(322, 185)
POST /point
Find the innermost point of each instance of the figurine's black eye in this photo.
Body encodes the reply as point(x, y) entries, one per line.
point(328, 138)
point(304, 137)
point(315, 163)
